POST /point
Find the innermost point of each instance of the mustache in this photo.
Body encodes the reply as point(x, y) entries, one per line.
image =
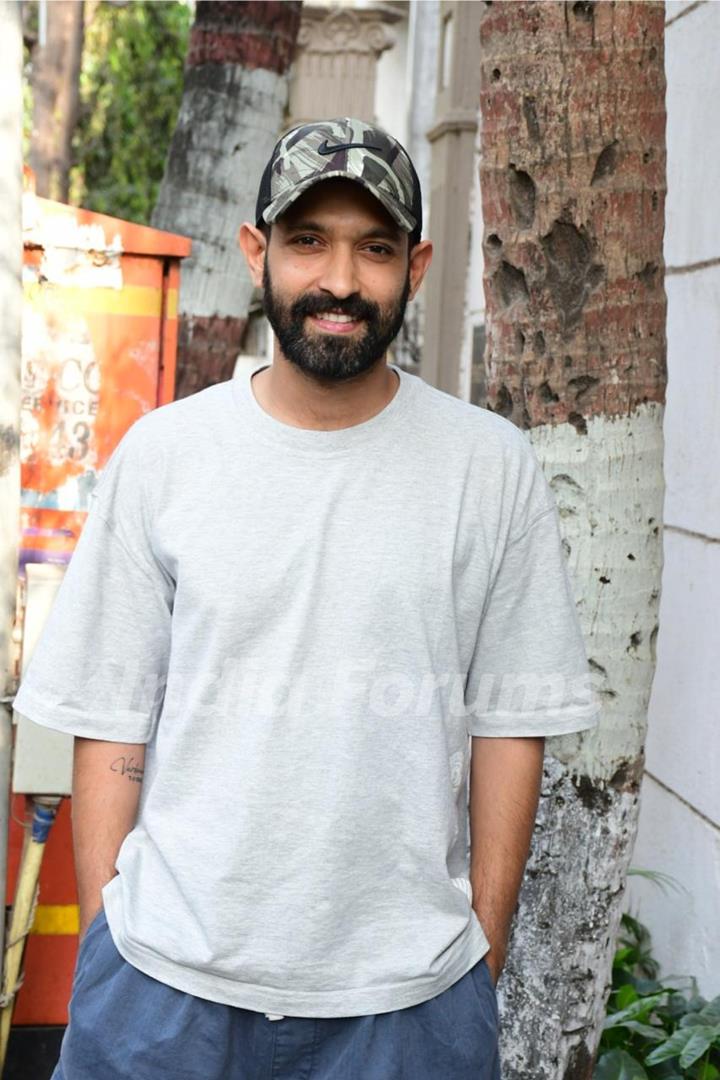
point(353, 306)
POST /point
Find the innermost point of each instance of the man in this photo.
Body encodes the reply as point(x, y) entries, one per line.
point(310, 609)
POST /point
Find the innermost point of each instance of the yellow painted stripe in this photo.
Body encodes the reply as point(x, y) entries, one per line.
point(130, 300)
point(56, 919)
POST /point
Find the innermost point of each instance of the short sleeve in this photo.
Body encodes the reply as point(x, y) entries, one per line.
point(529, 674)
point(99, 667)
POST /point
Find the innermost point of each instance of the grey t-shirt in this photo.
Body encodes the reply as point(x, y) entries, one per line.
point(306, 627)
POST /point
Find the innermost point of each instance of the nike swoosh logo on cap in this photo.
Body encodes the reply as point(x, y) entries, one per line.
point(325, 149)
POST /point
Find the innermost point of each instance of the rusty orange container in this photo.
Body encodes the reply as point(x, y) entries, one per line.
point(99, 350)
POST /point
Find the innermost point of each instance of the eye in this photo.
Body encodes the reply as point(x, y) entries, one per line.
point(306, 241)
point(378, 249)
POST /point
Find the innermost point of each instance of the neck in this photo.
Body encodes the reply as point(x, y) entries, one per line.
point(309, 401)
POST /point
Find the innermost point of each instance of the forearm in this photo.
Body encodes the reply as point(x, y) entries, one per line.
point(107, 779)
point(505, 776)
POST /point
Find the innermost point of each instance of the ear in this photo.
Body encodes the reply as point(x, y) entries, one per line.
point(420, 259)
point(253, 246)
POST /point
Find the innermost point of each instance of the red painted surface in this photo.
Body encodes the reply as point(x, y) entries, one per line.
point(249, 33)
point(49, 959)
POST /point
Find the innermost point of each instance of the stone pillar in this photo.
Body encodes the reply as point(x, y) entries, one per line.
point(335, 66)
point(452, 138)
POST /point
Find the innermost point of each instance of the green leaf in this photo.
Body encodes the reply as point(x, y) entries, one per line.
point(625, 996)
point(677, 1006)
point(619, 1065)
point(708, 1014)
point(638, 1010)
point(654, 1034)
point(687, 1043)
point(700, 1039)
point(130, 88)
point(622, 956)
point(617, 1037)
point(648, 986)
point(665, 882)
point(707, 1071)
point(637, 937)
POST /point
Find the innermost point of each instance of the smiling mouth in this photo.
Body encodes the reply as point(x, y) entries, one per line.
point(335, 323)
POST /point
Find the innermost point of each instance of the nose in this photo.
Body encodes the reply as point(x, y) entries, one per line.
point(338, 274)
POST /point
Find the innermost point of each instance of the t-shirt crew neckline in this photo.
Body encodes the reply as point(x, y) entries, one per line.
point(308, 440)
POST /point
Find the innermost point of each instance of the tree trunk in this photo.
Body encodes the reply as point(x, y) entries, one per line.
point(573, 186)
point(236, 86)
point(55, 86)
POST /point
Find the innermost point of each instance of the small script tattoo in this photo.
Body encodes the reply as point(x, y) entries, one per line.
point(128, 767)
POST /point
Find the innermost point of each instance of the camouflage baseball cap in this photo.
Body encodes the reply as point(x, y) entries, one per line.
point(348, 148)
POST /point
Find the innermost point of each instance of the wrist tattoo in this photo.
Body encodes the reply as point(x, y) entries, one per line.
point(128, 767)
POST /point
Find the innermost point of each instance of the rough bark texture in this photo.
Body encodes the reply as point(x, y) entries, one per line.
point(55, 85)
point(231, 114)
point(256, 34)
point(573, 184)
point(573, 188)
point(207, 346)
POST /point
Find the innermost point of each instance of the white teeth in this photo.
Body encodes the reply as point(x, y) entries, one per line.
point(330, 316)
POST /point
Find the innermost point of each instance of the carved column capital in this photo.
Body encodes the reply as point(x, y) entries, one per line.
point(346, 30)
point(335, 68)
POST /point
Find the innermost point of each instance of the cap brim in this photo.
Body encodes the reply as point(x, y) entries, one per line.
point(398, 213)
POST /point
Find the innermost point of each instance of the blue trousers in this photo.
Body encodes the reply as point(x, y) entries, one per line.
point(125, 1025)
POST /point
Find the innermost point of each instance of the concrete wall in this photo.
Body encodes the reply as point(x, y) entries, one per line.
point(680, 816)
point(392, 86)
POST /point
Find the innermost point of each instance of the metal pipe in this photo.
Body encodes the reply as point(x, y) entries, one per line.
point(23, 910)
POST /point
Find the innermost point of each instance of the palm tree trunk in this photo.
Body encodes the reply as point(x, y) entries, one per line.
point(231, 114)
point(55, 84)
point(573, 188)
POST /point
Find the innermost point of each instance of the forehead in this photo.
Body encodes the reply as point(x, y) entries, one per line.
point(338, 203)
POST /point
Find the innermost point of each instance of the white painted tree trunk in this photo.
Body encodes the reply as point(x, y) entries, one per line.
point(609, 489)
point(225, 148)
point(573, 184)
point(236, 88)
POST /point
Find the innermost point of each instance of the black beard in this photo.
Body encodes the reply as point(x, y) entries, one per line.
point(331, 356)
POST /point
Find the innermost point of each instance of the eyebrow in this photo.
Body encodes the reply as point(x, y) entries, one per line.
point(382, 232)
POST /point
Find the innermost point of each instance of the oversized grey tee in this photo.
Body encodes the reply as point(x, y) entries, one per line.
point(306, 628)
